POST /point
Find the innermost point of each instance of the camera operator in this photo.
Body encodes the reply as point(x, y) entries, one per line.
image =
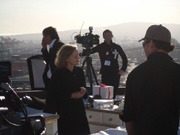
point(108, 53)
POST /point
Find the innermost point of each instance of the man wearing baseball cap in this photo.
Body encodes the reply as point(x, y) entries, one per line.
point(152, 97)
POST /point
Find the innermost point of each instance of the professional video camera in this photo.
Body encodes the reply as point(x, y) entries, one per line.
point(88, 40)
point(13, 113)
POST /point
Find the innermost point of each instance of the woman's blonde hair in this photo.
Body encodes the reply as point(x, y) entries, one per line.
point(63, 54)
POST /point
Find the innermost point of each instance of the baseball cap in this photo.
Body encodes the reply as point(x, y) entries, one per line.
point(158, 32)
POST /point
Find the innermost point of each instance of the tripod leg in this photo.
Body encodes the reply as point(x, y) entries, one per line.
point(94, 74)
point(90, 71)
point(84, 62)
point(90, 77)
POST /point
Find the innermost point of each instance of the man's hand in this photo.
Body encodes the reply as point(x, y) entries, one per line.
point(121, 72)
point(44, 44)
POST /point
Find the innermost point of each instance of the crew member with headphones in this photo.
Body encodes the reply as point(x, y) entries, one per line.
point(108, 53)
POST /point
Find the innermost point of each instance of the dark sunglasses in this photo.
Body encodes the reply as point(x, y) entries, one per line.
point(145, 42)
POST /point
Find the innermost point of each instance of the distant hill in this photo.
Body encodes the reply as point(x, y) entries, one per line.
point(124, 31)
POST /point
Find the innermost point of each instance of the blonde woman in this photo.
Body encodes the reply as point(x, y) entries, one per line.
point(68, 90)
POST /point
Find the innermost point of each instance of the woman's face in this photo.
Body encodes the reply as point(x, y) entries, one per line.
point(73, 59)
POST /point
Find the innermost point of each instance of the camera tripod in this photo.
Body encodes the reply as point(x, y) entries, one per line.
point(89, 70)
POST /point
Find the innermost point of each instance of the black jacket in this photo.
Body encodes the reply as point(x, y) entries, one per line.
point(49, 58)
point(110, 53)
point(72, 113)
point(152, 96)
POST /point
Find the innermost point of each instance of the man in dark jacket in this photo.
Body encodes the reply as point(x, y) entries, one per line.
point(152, 96)
point(108, 53)
point(51, 38)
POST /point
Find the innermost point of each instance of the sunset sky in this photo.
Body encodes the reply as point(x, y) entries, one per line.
point(32, 16)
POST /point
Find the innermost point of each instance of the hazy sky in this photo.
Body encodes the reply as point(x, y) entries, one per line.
point(32, 16)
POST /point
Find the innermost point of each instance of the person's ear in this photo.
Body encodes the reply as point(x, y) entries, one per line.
point(151, 44)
